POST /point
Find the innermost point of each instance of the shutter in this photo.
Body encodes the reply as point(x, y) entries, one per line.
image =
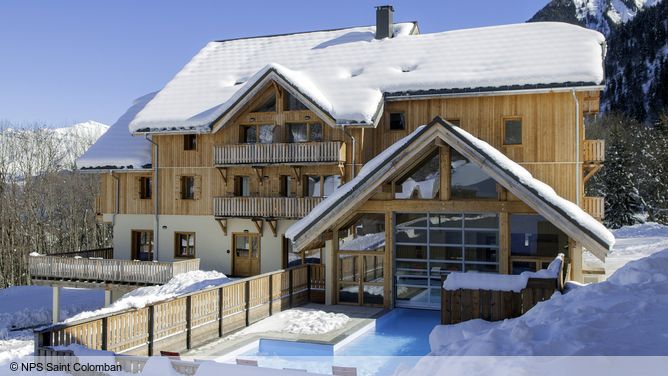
point(137, 188)
point(177, 187)
point(198, 187)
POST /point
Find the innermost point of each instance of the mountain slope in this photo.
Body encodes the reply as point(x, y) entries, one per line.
point(636, 63)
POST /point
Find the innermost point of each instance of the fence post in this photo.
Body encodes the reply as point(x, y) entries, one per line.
point(104, 336)
point(151, 325)
point(220, 312)
point(290, 279)
point(271, 293)
point(247, 301)
point(189, 321)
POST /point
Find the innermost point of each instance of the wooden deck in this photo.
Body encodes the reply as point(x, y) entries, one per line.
point(269, 207)
point(189, 320)
point(110, 271)
point(280, 153)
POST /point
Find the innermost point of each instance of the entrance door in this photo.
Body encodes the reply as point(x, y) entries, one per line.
point(246, 254)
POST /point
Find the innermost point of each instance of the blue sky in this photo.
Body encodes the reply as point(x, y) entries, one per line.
point(73, 60)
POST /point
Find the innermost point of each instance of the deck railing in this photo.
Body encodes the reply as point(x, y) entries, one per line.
point(595, 206)
point(286, 153)
point(105, 253)
point(594, 151)
point(190, 320)
point(107, 270)
point(278, 207)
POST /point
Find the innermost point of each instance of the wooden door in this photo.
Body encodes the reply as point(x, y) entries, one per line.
point(246, 254)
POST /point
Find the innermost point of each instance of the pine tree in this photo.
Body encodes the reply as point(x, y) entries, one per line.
point(622, 200)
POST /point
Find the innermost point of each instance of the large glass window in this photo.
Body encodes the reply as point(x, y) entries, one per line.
point(469, 181)
point(297, 132)
point(269, 105)
point(423, 182)
point(291, 103)
point(262, 133)
point(428, 245)
point(534, 240)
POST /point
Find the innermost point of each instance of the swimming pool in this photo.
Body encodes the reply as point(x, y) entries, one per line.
point(399, 337)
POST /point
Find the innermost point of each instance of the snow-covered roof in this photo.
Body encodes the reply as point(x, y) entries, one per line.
point(347, 72)
point(118, 148)
point(563, 213)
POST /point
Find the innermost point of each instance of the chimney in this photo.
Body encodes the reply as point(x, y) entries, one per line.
point(384, 22)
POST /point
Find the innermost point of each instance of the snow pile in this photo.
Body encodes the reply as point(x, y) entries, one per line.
point(500, 282)
point(625, 315)
point(117, 148)
point(347, 71)
point(297, 321)
point(181, 284)
point(366, 242)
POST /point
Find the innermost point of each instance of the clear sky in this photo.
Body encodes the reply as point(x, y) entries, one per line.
point(75, 60)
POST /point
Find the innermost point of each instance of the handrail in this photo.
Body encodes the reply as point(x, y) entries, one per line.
point(298, 152)
point(106, 253)
point(279, 207)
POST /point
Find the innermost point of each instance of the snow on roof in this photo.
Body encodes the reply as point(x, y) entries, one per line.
point(348, 71)
point(117, 148)
point(370, 173)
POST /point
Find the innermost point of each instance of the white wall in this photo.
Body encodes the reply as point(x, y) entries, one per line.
point(212, 247)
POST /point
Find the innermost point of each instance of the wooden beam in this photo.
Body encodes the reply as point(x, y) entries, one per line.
point(223, 173)
point(297, 170)
point(504, 244)
point(444, 154)
point(222, 222)
point(273, 225)
point(259, 173)
point(259, 224)
point(592, 170)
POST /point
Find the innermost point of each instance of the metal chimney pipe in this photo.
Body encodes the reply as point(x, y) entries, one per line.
point(384, 21)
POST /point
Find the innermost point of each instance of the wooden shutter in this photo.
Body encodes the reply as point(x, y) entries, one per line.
point(136, 189)
point(177, 187)
point(197, 187)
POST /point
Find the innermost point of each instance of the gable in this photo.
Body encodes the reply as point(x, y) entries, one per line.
point(564, 214)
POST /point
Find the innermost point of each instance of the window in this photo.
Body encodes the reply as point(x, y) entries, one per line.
point(189, 142)
point(321, 186)
point(397, 121)
point(468, 181)
point(142, 245)
point(303, 132)
point(286, 186)
point(185, 244)
point(262, 133)
point(291, 103)
point(268, 105)
point(534, 240)
point(145, 187)
point(423, 182)
point(242, 186)
point(512, 131)
point(187, 187)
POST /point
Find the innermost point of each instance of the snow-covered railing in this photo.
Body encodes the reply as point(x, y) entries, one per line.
point(107, 270)
point(288, 153)
point(192, 319)
point(280, 207)
point(594, 151)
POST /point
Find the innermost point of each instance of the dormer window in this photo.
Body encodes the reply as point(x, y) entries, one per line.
point(190, 142)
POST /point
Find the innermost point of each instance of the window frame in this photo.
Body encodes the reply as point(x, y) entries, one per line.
point(403, 120)
point(244, 127)
point(308, 125)
point(184, 187)
point(504, 121)
point(177, 245)
point(145, 187)
point(190, 142)
point(135, 247)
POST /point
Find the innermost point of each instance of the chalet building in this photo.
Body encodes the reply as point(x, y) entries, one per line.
point(388, 155)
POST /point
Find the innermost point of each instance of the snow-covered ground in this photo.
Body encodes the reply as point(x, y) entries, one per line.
point(30, 306)
point(625, 315)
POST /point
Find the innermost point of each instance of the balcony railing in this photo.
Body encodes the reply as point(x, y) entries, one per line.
point(268, 207)
point(594, 206)
point(594, 151)
point(107, 270)
point(285, 153)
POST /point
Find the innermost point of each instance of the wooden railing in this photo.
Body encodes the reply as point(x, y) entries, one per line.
point(278, 207)
point(595, 206)
point(105, 253)
point(286, 153)
point(594, 151)
point(190, 320)
point(467, 304)
point(107, 270)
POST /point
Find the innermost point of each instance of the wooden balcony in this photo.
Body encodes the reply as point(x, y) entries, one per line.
point(594, 151)
point(594, 206)
point(48, 269)
point(333, 152)
point(266, 207)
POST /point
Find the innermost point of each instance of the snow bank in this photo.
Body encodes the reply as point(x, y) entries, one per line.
point(348, 70)
point(625, 315)
point(500, 282)
point(181, 284)
point(297, 321)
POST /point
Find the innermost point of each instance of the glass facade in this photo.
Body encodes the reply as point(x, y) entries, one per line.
point(428, 245)
point(468, 180)
point(533, 241)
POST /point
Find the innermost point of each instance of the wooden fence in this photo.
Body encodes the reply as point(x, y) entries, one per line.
point(105, 253)
point(190, 320)
point(281, 207)
point(298, 152)
point(107, 270)
point(594, 151)
point(465, 304)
